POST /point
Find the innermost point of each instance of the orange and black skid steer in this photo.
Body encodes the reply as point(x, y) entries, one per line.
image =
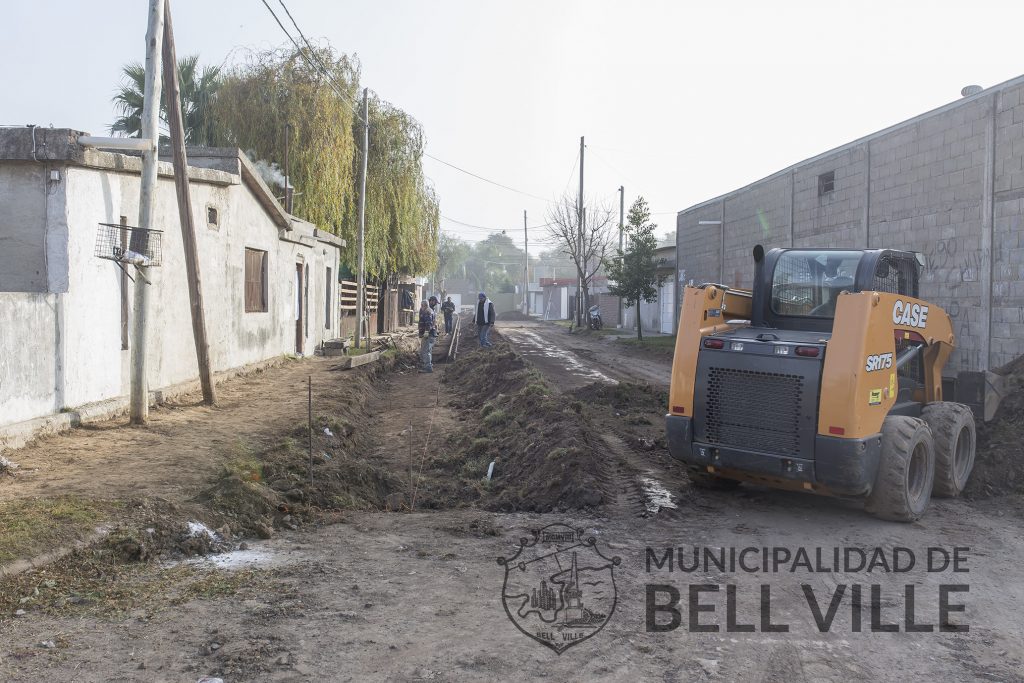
point(825, 376)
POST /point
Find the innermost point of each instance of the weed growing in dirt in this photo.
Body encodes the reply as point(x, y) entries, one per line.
point(29, 527)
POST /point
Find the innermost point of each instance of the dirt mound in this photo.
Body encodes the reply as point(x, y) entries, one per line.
point(624, 396)
point(545, 458)
point(999, 465)
point(157, 530)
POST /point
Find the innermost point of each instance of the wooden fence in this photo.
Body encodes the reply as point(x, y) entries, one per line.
point(349, 296)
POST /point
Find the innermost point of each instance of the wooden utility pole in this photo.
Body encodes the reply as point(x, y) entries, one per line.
point(361, 288)
point(139, 401)
point(526, 267)
point(622, 213)
point(580, 243)
point(188, 231)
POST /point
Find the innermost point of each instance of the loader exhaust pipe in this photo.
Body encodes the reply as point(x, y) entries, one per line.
point(760, 290)
point(906, 356)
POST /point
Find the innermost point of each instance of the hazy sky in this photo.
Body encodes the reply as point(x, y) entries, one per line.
point(679, 101)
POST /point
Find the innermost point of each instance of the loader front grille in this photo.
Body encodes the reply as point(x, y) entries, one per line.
point(754, 410)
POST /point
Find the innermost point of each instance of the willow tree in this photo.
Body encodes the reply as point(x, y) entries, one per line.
point(402, 212)
point(276, 93)
point(279, 90)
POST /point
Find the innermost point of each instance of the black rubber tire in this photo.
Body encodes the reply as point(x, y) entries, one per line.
point(956, 442)
point(906, 470)
point(711, 482)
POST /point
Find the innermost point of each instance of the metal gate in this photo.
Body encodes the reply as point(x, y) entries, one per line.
point(667, 308)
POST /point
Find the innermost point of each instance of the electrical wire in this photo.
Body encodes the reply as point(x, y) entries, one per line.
point(330, 79)
point(313, 53)
point(487, 180)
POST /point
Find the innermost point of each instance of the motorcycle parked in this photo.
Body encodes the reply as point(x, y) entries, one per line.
point(595, 318)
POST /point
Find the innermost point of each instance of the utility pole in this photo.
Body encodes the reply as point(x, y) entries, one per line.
point(139, 401)
point(181, 185)
point(622, 213)
point(580, 243)
point(361, 288)
point(526, 267)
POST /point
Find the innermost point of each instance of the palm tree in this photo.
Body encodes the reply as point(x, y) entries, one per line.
point(196, 101)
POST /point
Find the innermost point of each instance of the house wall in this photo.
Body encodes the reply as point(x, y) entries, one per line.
point(63, 349)
point(948, 184)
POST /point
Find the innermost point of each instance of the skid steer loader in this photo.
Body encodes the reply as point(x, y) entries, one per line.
point(826, 376)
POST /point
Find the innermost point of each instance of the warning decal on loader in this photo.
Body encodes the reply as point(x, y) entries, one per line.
point(875, 397)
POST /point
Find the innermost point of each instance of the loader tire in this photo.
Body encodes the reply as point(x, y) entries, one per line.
point(906, 471)
point(712, 482)
point(956, 441)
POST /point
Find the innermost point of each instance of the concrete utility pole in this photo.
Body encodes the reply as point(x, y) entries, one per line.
point(139, 402)
point(526, 267)
point(622, 213)
point(361, 289)
point(579, 285)
point(181, 185)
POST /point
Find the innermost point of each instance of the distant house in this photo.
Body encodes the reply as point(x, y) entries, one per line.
point(269, 279)
point(662, 315)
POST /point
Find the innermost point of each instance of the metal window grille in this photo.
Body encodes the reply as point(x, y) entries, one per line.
point(895, 275)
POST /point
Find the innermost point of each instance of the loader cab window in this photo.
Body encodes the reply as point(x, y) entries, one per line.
point(808, 283)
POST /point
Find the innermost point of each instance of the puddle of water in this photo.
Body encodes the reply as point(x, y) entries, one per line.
point(536, 345)
point(656, 496)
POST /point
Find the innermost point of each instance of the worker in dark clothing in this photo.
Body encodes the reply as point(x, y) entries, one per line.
point(428, 334)
point(484, 319)
point(448, 308)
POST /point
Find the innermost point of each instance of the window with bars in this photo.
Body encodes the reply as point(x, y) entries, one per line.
point(255, 281)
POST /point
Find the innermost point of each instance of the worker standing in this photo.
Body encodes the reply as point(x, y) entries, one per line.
point(448, 308)
point(428, 333)
point(484, 319)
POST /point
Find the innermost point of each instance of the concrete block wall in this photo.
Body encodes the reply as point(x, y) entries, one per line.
point(948, 184)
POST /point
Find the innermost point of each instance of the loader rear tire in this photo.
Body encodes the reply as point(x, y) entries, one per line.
point(906, 471)
point(956, 440)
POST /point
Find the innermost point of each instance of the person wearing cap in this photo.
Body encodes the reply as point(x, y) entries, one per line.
point(428, 333)
point(484, 319)
point(448, 307)
point(435, 306)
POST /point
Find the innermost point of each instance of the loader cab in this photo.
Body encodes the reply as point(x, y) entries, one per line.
point(797, 289)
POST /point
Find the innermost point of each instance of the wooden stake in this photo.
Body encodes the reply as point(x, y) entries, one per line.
point(311, 432)
point(188, 231)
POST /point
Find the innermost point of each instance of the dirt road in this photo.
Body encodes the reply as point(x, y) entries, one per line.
point(421, 596)
point(575, 360)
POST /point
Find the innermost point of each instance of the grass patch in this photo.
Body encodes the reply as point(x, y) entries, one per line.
point(659, 342)
point(495, 418)
point(31, 527)
point(93, 583)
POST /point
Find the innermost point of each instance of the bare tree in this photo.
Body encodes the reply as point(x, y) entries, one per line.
point(585, 234)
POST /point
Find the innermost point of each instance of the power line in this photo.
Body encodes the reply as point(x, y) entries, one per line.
point(313, 53)
point(487, 180)
point(485, 227)
point(317, 67)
